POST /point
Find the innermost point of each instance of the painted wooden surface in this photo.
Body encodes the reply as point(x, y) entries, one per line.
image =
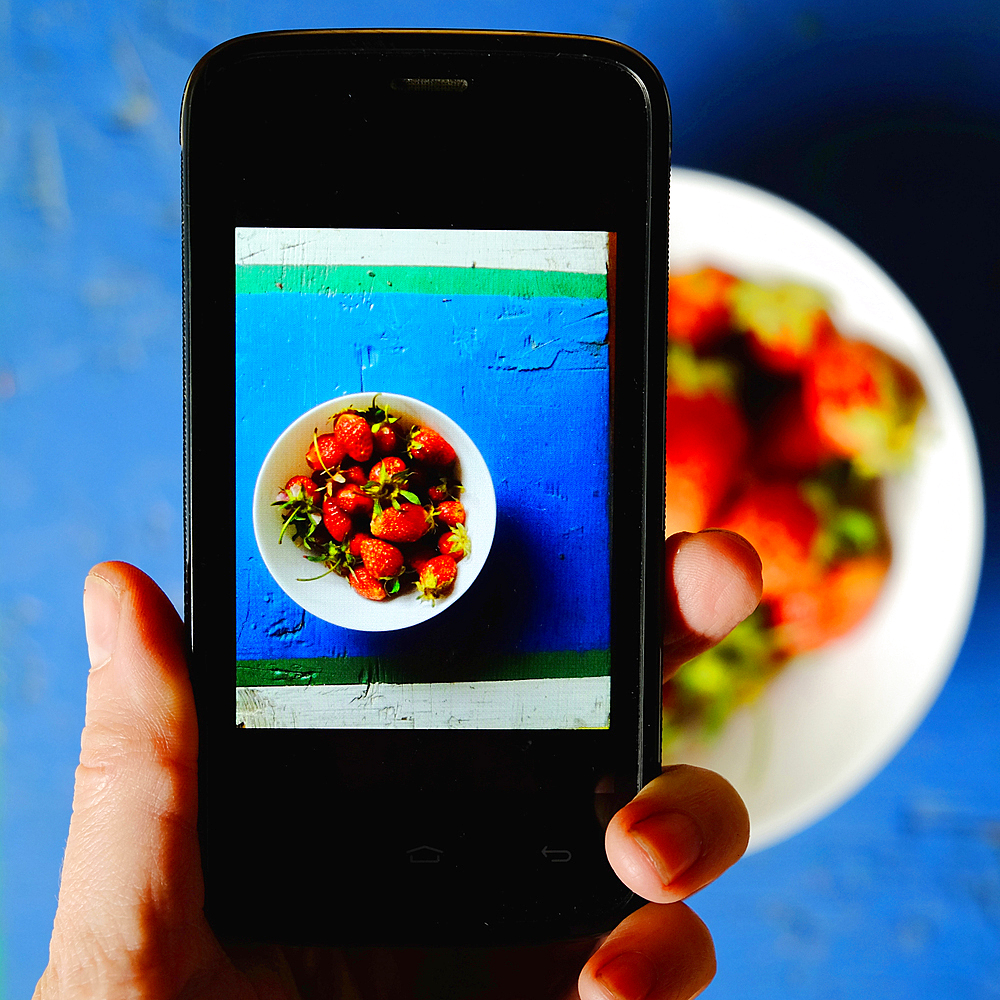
point(881, 119)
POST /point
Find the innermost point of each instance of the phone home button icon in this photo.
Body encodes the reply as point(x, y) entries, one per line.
point(424, 855)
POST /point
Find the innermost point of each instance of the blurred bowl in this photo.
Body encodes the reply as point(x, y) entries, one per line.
point(832, 719)
point(332, 598)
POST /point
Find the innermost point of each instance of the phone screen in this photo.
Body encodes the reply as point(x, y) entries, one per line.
point(406, 584)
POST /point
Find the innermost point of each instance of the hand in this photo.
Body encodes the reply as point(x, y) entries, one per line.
point(130, 923)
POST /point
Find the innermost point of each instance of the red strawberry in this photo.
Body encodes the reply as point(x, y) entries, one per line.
point(299, 488)
point(451, 512)
point(387, 467)
point(355, 540)
point(699, 309)
point(444, 489)
point(353, 500)
point(354, 435)
point(788, 442)
point(354, 474)
point(831, 607)
point(326, 452)
point(335, 520)
point(707, 439)
point(419, 557)
point(381, 558)
point(405, 523)
point(386, 439)
point(437, 577)
point(367, 584)
point(863, 403)
point(455, 543)
point(785, 323)
point(785, 530)
point(428, 446)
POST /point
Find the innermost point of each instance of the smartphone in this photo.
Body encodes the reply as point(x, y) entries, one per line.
point(425, 285)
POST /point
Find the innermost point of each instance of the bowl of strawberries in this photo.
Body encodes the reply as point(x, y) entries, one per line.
point(810, 409)
point(374, 511)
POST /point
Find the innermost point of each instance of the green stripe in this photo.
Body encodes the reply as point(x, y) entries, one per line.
point(350, 279)
point(365, 669)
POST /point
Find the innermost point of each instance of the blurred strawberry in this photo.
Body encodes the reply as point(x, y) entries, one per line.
point(784, 528)
point(706, 439)
point(831, 607)
point(787, 442)
point(863, 403)
point(785, 323)
point(699, 311)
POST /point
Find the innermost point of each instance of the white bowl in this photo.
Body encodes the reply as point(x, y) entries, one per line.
point(332, 598)
point(834, 718)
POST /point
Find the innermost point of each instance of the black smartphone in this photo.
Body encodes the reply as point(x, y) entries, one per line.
point(425, 310)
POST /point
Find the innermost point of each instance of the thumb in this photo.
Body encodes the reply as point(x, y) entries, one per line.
point(129, 918)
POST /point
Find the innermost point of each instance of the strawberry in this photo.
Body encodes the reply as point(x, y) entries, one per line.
point(707, 439)
point(451, 512)
point(437, 577)
point(299, 488)
point(784, 528)
point(367, 584)
point(785, 323)
point(444, 489)
point(325, 452)
point(354, 541)
point(419, 557)
point(335, 520)
point(831, 607)
point(354, 474)
point(386, 439)
point(351, 499)
point(699, 309)
point(381, 559)
point(863, 403)
point(385, 468)
point(788, 442)
point(428, 446)
point(354, 435)
point(455, 543)
point(406, 523)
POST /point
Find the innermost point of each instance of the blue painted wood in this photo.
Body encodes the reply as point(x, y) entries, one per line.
point(527, 379)
point(90, 358)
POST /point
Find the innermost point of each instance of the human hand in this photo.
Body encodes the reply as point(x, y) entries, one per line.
point(130, 922)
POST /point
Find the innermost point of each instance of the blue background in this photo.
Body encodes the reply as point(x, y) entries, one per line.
point(526, 379)
point(884, 119)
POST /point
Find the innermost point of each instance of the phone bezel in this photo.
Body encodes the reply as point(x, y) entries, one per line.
point(232, 178)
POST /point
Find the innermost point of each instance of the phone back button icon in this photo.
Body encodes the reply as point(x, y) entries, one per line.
point(424, 855)
point(556, 854)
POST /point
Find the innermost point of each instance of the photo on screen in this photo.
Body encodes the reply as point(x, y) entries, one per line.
point(422, 479)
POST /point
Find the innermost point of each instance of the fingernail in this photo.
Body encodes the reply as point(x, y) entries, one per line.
point(629, 976)
point(671, 841)
point(100, 612)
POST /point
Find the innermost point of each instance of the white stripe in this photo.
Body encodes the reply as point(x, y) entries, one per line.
point(549, 703)
point(527, 250)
